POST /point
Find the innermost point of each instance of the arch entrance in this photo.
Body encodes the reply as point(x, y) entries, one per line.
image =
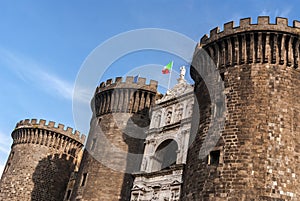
point(165, 155)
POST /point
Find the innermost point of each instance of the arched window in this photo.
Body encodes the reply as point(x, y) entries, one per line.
point(165, 155)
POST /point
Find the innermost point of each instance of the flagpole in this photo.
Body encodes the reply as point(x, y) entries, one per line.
point(170, 77)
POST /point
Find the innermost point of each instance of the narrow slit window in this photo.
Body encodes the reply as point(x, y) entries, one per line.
point(83, 181)
point(222, 76)
point(12, 155)
point(7, 167)
point(93, 144)
point(69, 194)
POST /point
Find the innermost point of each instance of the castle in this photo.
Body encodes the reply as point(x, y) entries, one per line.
point(233, 135)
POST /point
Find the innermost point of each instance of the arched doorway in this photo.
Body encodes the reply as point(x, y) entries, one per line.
point(165, 155)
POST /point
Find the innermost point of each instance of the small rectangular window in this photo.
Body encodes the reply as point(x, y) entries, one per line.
point(83, 181)
point(222, 76)
point(11, 155)
point(69, 194)
point(214, 157)
point(7, 167)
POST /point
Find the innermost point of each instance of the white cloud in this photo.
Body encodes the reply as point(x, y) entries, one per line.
point(264, 12)
point(32, 71)
point(65, 89)
point(284, 12)
point(82, 95)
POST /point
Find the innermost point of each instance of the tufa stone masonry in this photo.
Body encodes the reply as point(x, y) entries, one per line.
point(41, 160)
point(231, 136)
point(118, 129)
point(259, 144)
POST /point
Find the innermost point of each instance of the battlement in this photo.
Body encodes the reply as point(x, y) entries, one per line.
point(68, 132)
point(248, 43)
point(130, 96)
point(128, 83)
point(263, 24)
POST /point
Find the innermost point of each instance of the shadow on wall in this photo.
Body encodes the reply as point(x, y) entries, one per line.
point(134, 136)
point(51, 177)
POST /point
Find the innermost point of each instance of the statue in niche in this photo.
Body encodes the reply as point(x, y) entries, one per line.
point(175, 194)
point(189, 110)
point(155, 196)
point(169, 116)
point(178, 113)
point(135, 198)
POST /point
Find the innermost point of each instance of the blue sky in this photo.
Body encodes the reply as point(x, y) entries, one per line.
point(43, 44)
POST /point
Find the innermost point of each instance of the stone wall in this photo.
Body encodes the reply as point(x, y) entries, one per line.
point(116, 140)
point(40, 163)
point(259, 145)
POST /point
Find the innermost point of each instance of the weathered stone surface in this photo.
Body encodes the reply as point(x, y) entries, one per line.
point(167, 142)
point(254, 157)
point(260, 141)
point(41, 161)
point(116, 140)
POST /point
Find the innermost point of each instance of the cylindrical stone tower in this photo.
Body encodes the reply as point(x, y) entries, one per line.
point(257, 156)
point(41, 161)
point(116, 139)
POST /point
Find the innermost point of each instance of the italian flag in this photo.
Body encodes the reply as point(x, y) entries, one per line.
point(167, 68)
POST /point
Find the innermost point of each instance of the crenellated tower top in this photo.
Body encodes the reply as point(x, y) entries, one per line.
point(130, 82)
point(248, 43)
point(131, 96)
point(245, 25)
point(60, 129)
point(41, 153)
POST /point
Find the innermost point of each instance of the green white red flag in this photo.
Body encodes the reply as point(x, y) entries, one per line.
point(167, 68)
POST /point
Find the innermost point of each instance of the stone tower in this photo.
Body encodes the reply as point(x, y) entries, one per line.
point(257, 154)
point(115, 144)
point(41, 161)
